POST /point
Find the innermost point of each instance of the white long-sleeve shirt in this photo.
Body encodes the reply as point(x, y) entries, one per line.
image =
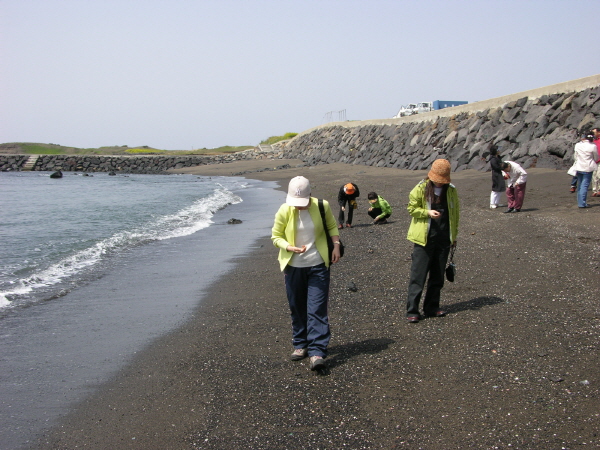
point(586, 154)
point(516, 173)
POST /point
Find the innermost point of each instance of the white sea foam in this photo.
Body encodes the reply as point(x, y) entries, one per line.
point(182, 223)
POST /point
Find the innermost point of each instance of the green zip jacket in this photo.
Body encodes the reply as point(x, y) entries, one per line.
point(384, 205)
point(284, 230)
point(418, 207)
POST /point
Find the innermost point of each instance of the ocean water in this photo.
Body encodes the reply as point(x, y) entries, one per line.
point(94, 268)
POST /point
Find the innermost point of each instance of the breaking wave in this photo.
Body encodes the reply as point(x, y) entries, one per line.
point(77, 265)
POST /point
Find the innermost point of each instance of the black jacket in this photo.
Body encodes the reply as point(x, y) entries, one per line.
point(498, 183)
point(343, 197)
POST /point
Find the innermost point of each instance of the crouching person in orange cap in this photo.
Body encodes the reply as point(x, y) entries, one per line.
point(347, 195)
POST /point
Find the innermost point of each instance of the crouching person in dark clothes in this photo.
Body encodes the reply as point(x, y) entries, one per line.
point(434, 207)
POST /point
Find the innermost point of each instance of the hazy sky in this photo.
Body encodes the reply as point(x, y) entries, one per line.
point(183, 74)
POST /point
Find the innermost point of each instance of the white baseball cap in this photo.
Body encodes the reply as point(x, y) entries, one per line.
point(298, 192)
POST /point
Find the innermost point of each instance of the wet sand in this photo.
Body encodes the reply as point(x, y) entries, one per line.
point(514, 364)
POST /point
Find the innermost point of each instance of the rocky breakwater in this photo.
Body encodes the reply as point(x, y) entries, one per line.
point(147, 164)
point(534, 131)
point(124, 164)
point(12, 162)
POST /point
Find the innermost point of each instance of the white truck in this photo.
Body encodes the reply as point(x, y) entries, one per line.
point(422, 107)
point(407, 110)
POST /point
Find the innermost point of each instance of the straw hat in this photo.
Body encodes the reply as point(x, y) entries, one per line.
point(440, 171)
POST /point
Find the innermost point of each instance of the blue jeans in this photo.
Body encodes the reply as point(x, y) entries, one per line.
point(574, 181)
point(307, 290)
point(583, 182)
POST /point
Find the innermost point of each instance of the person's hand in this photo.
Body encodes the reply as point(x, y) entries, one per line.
point(433, 214)
point(291, 248)
point(376, 220)
point(335, 254)
point(343, 208)
point(370, 209)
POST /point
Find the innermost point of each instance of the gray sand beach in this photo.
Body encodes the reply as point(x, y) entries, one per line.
point(513, 365)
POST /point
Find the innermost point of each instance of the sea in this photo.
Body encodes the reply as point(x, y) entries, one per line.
point(93, 268)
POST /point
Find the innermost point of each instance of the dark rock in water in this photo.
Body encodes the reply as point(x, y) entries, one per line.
point(234, 221)
point(352, 287)
point(111, 174)
point(57, 174)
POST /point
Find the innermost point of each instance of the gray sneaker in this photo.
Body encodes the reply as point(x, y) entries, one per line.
point(316, 362)
point(299, 354)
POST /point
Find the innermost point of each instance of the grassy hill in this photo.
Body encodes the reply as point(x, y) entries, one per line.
point(29, 148)
point(32, 148)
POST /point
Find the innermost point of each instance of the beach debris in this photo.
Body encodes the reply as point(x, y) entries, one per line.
point(234, 221)
point(352, 287)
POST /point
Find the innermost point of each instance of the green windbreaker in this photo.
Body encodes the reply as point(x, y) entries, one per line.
point(418, 207)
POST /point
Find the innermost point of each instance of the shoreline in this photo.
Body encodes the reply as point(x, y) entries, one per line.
point(507, 366)
point(79, 341)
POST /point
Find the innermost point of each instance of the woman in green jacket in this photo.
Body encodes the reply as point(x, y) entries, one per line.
point(299, 234)
point(434, 207)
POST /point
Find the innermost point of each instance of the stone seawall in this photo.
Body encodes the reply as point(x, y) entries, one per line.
point(536, 131)
point(12, 162)
point(537, 128)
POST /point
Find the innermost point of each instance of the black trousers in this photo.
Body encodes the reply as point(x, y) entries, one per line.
point(349, 210)
point(429, 260)
point(376, 212)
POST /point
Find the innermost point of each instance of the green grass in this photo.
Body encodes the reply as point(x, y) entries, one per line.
point(144, 151)
point(42, 149)
point(274, 139)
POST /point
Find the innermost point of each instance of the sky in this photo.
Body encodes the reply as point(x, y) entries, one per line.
point(188, 74)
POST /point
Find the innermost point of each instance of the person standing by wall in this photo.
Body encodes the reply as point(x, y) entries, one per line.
point(498, 183)
point(347, 195)
point(379, 210)
point(299, 234)
point(435, 210)
point(586, 154)
point(517, 182)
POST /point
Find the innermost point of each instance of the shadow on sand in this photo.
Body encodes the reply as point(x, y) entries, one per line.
point(472, 305)
point(339, 354)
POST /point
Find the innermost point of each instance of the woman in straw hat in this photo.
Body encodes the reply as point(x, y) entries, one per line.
point(434, 207)
point(299, 234)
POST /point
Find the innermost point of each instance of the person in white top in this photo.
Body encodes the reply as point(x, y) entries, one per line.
point(586, 155)
point(516, 184)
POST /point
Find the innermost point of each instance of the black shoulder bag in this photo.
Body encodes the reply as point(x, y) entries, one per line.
point(451, 269)
point(330, 244)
